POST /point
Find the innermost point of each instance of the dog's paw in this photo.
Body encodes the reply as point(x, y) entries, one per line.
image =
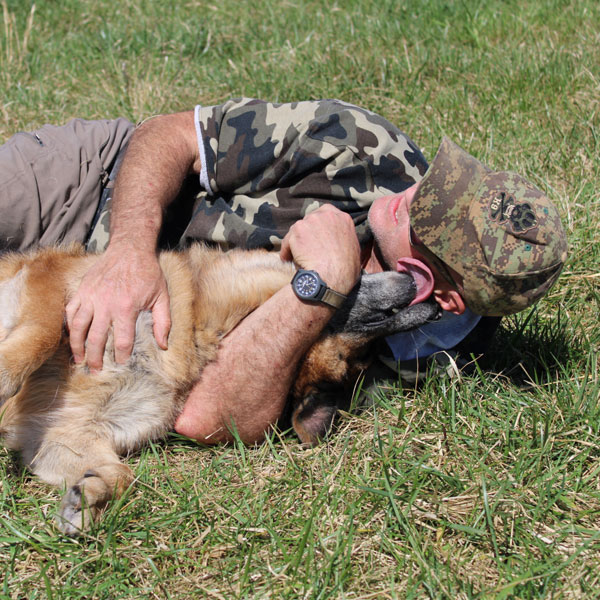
point(78, 509)
point(74, 517)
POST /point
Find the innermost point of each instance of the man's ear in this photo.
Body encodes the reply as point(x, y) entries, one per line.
point(450, 300)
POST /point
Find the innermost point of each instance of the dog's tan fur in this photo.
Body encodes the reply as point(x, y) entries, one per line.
point(71, 425)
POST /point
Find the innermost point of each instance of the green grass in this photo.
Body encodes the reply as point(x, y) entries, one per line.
point(480, 487)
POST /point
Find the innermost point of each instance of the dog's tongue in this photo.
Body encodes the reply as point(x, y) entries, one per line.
point(421, 274)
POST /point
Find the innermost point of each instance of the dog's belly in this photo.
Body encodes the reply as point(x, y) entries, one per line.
point(122, 406)
point(144, 400)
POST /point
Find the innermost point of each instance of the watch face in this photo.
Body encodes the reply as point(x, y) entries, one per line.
point(307, 285)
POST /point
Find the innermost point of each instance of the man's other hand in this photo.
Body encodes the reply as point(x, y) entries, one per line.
point(113, 292)
point(325, 241)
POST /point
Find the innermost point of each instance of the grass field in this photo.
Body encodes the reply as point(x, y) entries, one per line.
point(484, 486)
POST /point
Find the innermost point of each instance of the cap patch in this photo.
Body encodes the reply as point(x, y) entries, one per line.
point(519, 217)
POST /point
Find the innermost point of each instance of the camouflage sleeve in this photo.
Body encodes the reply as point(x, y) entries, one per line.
point(267, 165)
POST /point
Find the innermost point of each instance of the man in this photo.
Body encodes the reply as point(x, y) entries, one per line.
point(301, 177)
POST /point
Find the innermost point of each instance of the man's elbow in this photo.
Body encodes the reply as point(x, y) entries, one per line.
point(212, 433)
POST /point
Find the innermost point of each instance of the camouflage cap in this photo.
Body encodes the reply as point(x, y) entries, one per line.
point(498, 232)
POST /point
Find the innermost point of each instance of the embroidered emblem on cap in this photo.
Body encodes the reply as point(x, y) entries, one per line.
point(520, 217)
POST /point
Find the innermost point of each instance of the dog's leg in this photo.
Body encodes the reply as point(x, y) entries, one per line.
point(89, 468)
point(57, 421)
point(23, 352)
point(28, 334)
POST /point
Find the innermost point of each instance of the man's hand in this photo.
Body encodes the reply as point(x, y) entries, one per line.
point(113, 292)
point(325, 241)
point(128, 279)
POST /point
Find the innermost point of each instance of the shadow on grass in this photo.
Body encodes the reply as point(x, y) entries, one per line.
point(527, 348)
point(13, 467)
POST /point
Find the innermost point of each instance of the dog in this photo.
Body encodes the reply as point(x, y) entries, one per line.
point(71, 425)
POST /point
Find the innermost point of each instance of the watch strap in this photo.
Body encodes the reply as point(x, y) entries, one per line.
point(333, 298)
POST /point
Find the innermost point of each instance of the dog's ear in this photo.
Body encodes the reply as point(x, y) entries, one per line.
point(312, 418)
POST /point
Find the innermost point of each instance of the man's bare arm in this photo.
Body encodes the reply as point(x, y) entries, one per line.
point(246, 387)
point(128, 278)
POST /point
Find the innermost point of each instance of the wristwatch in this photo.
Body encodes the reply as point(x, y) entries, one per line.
point(308, 286)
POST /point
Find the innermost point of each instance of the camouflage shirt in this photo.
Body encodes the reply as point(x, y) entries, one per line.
point(266, 165)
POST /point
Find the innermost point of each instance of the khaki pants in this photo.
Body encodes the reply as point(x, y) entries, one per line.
point(51, 181)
